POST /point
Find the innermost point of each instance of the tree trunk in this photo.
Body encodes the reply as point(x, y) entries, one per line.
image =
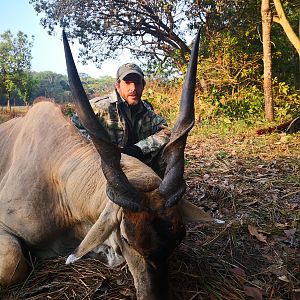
point(298, 65)
point(266, 17)
point(8, 103)
point(283, 21)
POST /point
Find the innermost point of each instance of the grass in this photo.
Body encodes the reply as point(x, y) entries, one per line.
point(16, 111)
point(248, 179)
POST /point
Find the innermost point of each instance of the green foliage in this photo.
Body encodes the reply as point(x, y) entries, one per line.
point(230, 60)
point(68, 110)
point(51, 85)
point(98, 87)
point(285, 60)
point(246, 103)
point(56, 86)
point(230, 64)
point(156, 30)
point(221, 108)
point(106, 28)
point(164, 97)
point(15, 65)
point(227, 66)
point(286, 100)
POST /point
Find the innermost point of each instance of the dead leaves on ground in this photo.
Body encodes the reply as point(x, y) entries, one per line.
point(259, 195)
point(253, 231)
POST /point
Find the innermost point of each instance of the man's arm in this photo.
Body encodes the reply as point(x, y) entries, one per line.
point(159, 134)
point(155, 142)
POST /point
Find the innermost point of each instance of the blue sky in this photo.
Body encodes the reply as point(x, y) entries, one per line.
point(47, 51)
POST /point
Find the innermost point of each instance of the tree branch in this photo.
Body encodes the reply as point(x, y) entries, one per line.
point(283, 21)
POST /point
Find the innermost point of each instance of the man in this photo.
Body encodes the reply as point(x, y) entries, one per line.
point(131, 122)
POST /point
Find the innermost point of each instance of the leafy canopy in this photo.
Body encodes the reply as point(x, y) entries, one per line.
point(157, 29)
point(15, 65)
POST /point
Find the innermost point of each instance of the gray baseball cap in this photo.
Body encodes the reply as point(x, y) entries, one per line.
point(129, 68)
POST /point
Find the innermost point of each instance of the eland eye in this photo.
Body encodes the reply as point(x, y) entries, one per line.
point(171, 228)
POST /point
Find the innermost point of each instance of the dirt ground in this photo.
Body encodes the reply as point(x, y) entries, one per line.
point(253, 184)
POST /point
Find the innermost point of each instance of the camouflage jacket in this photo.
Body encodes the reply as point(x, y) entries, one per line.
point(138, 125)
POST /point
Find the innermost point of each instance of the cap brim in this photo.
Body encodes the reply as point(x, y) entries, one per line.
point(121, 77)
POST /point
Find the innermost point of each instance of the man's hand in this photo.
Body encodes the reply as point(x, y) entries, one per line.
point(134, 151)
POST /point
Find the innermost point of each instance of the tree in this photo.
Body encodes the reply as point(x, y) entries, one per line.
point(292, 19)
point(105, 28)
point(51, 85)
point(160, 29)
point(161, 32)
point(98, 87)
point(283, 21)
point(15, 65)
point(56, 86)
point(266, 16)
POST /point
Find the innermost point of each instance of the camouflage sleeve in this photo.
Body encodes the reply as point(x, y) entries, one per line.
point(101, 113)
point(75, 120)
point(158, 139)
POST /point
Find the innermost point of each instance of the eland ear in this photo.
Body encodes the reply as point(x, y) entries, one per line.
point(99, 232)
point(191, 212)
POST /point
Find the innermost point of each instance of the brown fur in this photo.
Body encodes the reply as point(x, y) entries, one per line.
point(53, 198)
point(47, 164)
point(43, 99)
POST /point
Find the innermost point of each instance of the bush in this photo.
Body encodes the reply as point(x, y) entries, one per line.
point(286, 101)
point(244, 104)
point(222, 105)
point(248, 103)
point(165, 98)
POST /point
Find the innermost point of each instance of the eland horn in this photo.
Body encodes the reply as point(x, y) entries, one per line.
point(173, 186)
point(119, 189)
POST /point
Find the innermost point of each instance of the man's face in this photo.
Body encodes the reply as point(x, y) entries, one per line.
point(131, 88)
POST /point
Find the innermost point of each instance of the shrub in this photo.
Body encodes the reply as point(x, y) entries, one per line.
point(245, 103)
point(222, 105)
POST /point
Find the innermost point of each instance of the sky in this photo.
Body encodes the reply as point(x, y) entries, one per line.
point(47, 51)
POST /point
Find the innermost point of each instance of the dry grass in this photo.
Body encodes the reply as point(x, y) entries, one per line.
point(251, 182)
point(247, 180)
point(16, 111)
